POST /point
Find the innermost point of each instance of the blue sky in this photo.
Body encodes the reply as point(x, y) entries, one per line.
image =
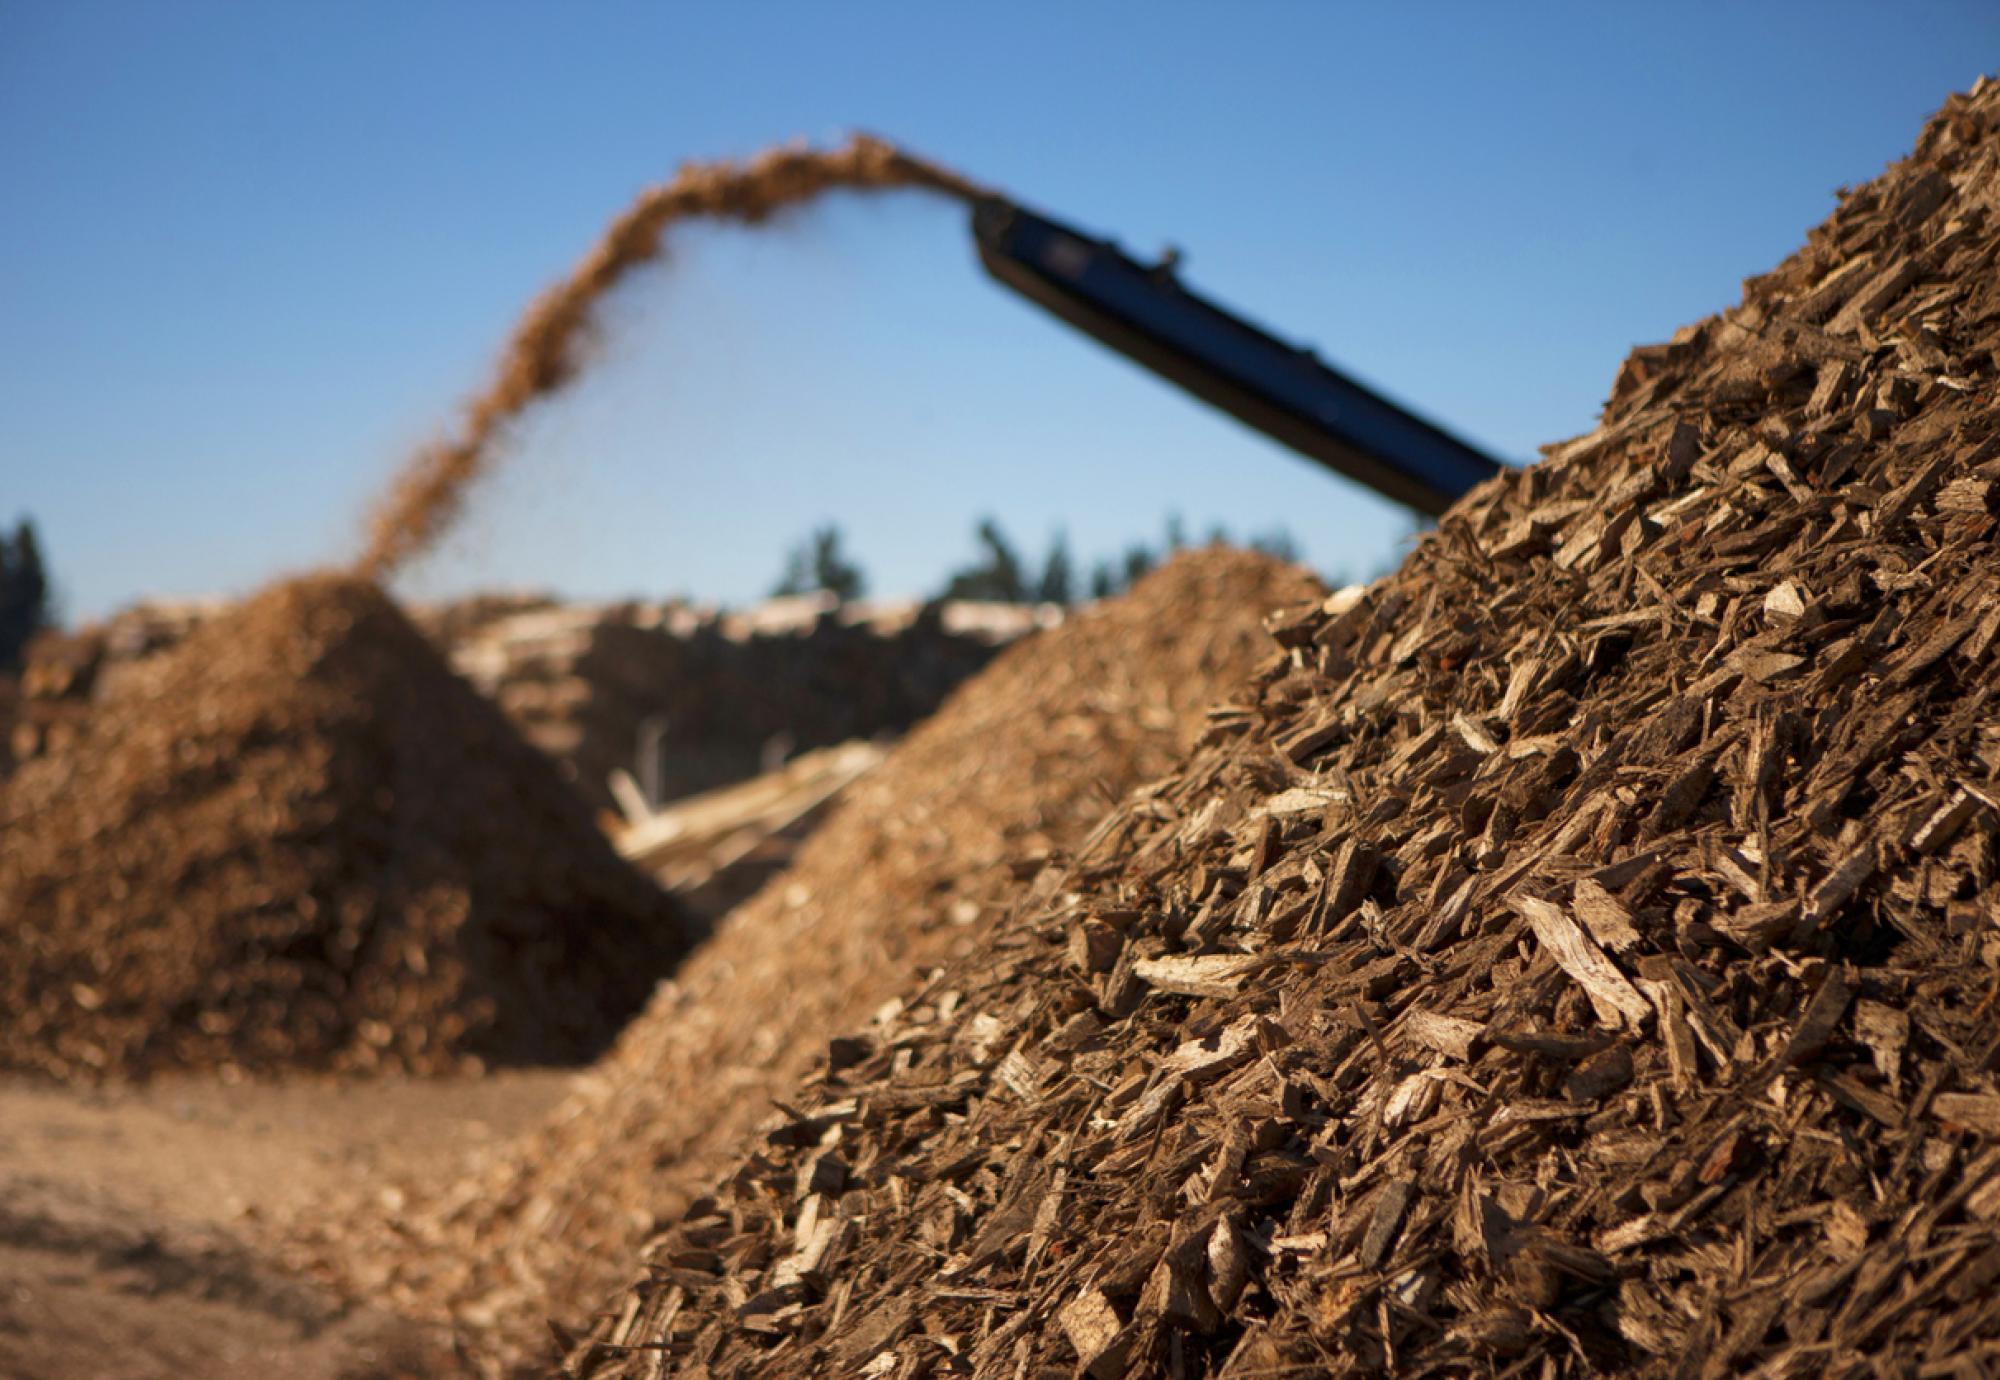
point(252, 253)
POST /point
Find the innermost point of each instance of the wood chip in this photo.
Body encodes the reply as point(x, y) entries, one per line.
point(1617, 1002)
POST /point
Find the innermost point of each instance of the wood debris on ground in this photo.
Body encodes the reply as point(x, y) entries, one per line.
point(1625, 1000)
point(713, 850)
point(691, 698)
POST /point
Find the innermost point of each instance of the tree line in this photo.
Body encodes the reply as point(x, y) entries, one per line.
point(999, 572)
point(27, 604)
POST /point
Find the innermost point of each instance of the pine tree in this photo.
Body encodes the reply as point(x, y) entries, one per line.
point(1276, 543)
point(820, 562)
point(832, 570)
point(796, 579)
point(1058, 582)
point(1139, 561)
point(24, 593)
point(995, 578)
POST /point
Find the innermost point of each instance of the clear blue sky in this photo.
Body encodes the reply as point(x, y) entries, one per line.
point(251, 253)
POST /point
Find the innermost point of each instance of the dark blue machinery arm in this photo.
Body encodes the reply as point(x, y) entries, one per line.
point(1283, 391)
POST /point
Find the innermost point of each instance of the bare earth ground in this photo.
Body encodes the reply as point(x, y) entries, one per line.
point(132, 1220)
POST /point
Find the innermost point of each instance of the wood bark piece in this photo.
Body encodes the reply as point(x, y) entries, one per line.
point(1444, 1034)
point(1618, 1003)
point(1821, 1017)
point(1094, 1332)
point(1205, 975)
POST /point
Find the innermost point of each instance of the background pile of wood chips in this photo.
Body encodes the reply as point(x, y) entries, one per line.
point(296, 840)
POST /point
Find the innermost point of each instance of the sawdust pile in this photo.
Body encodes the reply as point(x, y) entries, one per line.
point(296, 839)
point(1580, 956)
point(551, 343)
point(1022, 760)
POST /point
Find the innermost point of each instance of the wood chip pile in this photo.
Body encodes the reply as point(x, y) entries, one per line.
point(14, 743)
point(63, 670)
point(297, 840)
point(587, 683)
point(1580, 954)
point(1023, 759)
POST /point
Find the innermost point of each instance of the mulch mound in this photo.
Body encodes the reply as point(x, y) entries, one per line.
point(1022, 760)
point(1581, 955)
point(297, 840)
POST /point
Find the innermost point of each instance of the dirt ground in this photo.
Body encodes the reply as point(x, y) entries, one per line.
point(134, 1222)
